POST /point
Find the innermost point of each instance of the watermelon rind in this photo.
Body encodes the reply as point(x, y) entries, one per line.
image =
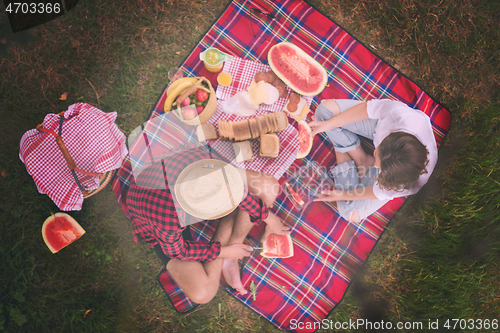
point(305, 57)
point(77, 228)
point(264, 251)
point(305, 153)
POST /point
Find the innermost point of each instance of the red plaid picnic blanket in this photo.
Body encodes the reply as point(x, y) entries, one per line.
point(328, 250)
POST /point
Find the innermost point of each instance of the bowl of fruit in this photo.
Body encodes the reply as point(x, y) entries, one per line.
point(192, 99)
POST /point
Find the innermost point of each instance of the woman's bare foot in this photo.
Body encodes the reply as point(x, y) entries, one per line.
point(231, 271)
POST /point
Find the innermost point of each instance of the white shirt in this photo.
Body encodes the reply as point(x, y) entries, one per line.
point(394, 116)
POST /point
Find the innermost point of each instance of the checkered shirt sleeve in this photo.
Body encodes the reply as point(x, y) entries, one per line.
point(255, 207)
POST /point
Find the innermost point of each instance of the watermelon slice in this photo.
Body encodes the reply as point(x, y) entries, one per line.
point(295, 195)
point(305, 139)
point(277, 246)
point(297, 69)
point(59, 230)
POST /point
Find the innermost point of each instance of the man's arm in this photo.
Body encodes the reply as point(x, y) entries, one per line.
point(362, 193)
point(352, 115)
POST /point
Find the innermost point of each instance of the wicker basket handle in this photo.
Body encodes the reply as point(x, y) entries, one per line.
point(65, 152)
point(67, 157)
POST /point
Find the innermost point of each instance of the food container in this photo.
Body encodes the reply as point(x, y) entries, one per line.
point(306, 184)
point(213, 59)
point(207, 112)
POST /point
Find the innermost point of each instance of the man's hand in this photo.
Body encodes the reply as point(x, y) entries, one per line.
point(319, 126)
point(352, 115)
point(330, 195)
point(362, 193)
point(275, 226)
point(235, 251)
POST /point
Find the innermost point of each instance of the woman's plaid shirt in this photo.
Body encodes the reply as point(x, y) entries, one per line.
point(154, 217)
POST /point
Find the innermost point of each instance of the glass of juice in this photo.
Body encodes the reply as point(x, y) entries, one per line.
point(224, 79)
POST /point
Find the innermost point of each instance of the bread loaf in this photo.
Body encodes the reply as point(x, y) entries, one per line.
point(254, 128)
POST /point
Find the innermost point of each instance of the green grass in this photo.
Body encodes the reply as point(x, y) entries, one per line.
point(438, 259)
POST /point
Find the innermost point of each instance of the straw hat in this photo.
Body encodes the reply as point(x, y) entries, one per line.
point(209, 189)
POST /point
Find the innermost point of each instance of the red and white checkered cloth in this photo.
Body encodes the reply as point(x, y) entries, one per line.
point(243, 72)
point(94, 142)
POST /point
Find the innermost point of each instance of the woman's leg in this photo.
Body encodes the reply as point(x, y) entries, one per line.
point(262, 185)
point(266, 188)
point(200, 281)
point(230, 267)
point(343, 140)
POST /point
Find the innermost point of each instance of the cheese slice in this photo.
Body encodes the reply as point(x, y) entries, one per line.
point(258, 92)
point(243, 151)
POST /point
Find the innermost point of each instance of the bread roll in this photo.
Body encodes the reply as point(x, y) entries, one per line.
point(269, 145)
point(243, 151)
point(206, 132)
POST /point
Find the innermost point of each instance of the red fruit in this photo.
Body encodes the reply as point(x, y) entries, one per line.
point(305, 139)
point(60, 230)
point(277, 246)
point(295, 195)
point(297, 69)
point(201, 95)
point(189, 113)
point(200, 108)
point(186, 102)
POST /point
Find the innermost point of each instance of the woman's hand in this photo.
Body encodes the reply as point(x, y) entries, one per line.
point(235, 251)
point(275, 226)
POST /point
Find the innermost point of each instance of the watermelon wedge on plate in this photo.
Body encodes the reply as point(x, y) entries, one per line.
point(59, 230)
point(277, 246)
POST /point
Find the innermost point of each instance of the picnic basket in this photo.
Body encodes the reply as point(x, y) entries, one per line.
point(104, 178)
point(207, 112)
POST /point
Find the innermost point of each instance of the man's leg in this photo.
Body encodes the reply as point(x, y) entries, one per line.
point(342, 157)
point(200, 281)
point(363, 161)
point(346, 136)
